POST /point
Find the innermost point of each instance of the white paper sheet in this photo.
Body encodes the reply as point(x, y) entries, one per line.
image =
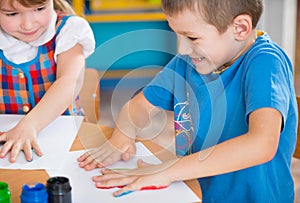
point(84, 190)
point(55, 140)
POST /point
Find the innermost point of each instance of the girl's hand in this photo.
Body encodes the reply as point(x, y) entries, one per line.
point(116, 148)
point(17, 139)
point(145, 177)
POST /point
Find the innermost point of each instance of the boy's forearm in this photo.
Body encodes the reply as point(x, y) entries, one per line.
point(124, 123)
point(135, 115)
point(232, 155)
point(259, 145)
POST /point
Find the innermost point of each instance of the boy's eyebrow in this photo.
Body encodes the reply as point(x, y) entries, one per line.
point(187, 33)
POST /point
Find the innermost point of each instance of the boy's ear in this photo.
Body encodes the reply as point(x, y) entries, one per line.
point(242, 27)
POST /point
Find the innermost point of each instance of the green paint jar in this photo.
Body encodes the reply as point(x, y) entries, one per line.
point(5, 196)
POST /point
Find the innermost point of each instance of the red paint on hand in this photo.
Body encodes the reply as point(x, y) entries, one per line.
point(153, 187)
point(104, 187)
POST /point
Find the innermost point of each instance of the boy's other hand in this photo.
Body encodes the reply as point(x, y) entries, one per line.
point(115, 149)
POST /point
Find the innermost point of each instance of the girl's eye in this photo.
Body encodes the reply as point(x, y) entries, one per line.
point(11, 14)
point(40, 8)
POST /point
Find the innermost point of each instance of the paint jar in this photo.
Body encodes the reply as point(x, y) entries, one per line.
point(59, 190)
point(5, 196)
point(34, 193)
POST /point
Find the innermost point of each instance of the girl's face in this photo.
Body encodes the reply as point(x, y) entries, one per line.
point(208, 49)
point(23, 23)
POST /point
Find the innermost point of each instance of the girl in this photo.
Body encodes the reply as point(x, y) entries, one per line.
point(43, 47)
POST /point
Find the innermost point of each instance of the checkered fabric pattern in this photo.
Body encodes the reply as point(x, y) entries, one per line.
point(23, 85)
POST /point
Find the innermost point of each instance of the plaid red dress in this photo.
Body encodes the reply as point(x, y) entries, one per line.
point(23, 85)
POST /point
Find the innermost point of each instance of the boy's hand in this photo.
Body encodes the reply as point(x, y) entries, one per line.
point(145, 177)
point(18, 139)
point(118, 147)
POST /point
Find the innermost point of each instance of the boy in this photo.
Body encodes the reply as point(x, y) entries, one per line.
point(231, 90)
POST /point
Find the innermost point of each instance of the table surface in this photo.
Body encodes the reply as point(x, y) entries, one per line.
point(89, 136)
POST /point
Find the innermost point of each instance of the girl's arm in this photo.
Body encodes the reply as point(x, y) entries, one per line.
point(69, 79)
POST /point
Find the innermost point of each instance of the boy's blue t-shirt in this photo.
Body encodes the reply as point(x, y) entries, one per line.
point(210, 109)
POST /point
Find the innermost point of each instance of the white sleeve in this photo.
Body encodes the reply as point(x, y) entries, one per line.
point(76, 30)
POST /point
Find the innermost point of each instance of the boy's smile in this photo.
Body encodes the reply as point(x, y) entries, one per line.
point(197, 60)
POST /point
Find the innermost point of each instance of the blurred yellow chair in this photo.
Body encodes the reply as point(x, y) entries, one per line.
point(90, 95)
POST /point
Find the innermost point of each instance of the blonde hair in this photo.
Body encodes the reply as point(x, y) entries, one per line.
point(63, 6)
point(59, 5)
point(219, 13)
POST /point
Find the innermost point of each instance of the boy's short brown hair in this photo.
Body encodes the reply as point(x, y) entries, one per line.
point(219, 13)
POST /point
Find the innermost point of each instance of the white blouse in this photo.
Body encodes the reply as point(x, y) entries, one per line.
point(76, 30)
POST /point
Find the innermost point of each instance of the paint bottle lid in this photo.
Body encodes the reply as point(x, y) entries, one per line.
point(59, 190)
point(34, 193)
point(5, 195)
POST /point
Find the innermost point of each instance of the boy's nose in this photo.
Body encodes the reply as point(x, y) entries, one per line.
point(184, 45)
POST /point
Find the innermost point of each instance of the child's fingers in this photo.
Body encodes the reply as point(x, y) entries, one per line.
point(114, 177)
point(2, 137)
point(88, 154)
point(141, 163)
point(93, 158)
point(125, 156)
point(83, 157)
point(15, 151)
point(27, 151)
point(102, 158)
point(105, 156)
point(128, 152)
point(110, 158)
point(134, 187)
point(127, 189)
point(113, 181)
point(92, 165)
point(117, 172)
point(37, 149)
point(5, 149)
point(87, 161)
